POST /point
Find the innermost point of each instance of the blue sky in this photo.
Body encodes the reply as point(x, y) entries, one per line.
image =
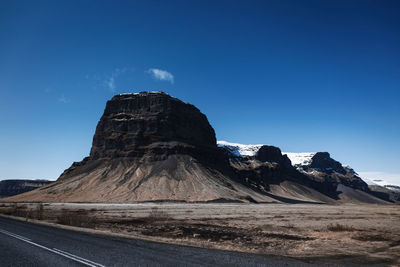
point(301, 75)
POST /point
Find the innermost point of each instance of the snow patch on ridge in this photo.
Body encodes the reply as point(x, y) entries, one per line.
point(302, 159)
point(240, 150)
point(123, 94)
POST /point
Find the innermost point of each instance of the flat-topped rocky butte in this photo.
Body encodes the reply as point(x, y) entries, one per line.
point(134, 124)
point(149, 146)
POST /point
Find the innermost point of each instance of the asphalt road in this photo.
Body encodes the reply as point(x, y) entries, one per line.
point(27, 244)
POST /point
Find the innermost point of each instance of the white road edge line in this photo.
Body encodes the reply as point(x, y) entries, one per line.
point(72, 255)
point(75, 258)
point(14, 235)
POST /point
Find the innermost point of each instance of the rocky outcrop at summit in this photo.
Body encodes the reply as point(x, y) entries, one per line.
point(136, 124)
point(323, 162)
point(273, 154)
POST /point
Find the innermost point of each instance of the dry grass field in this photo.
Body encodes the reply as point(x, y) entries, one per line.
point(363, 234)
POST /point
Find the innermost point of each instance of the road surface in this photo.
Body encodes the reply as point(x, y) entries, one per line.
point(27, 244)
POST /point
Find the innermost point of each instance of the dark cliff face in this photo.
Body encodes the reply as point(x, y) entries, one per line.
point(134, 124)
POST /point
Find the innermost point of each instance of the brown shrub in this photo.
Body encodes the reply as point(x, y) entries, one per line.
point(39, 211)
point(76, 218)
point(158, 215)
point(340, 228)
point(17, 210)
point(371, 238)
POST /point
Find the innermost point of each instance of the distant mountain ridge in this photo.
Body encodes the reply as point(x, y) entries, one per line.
point(313, 169)
point(18, 186)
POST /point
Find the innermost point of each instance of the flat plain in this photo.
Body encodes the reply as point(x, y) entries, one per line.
point(360, 234)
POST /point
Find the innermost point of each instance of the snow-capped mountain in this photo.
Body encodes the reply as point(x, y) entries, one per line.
point(310, 163)
point(241, 150)
point(267, 168)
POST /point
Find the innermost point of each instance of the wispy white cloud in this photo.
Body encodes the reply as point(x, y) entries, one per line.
point(119, 71)
point(109, 82)
point(161, 75)
point(63, 99)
